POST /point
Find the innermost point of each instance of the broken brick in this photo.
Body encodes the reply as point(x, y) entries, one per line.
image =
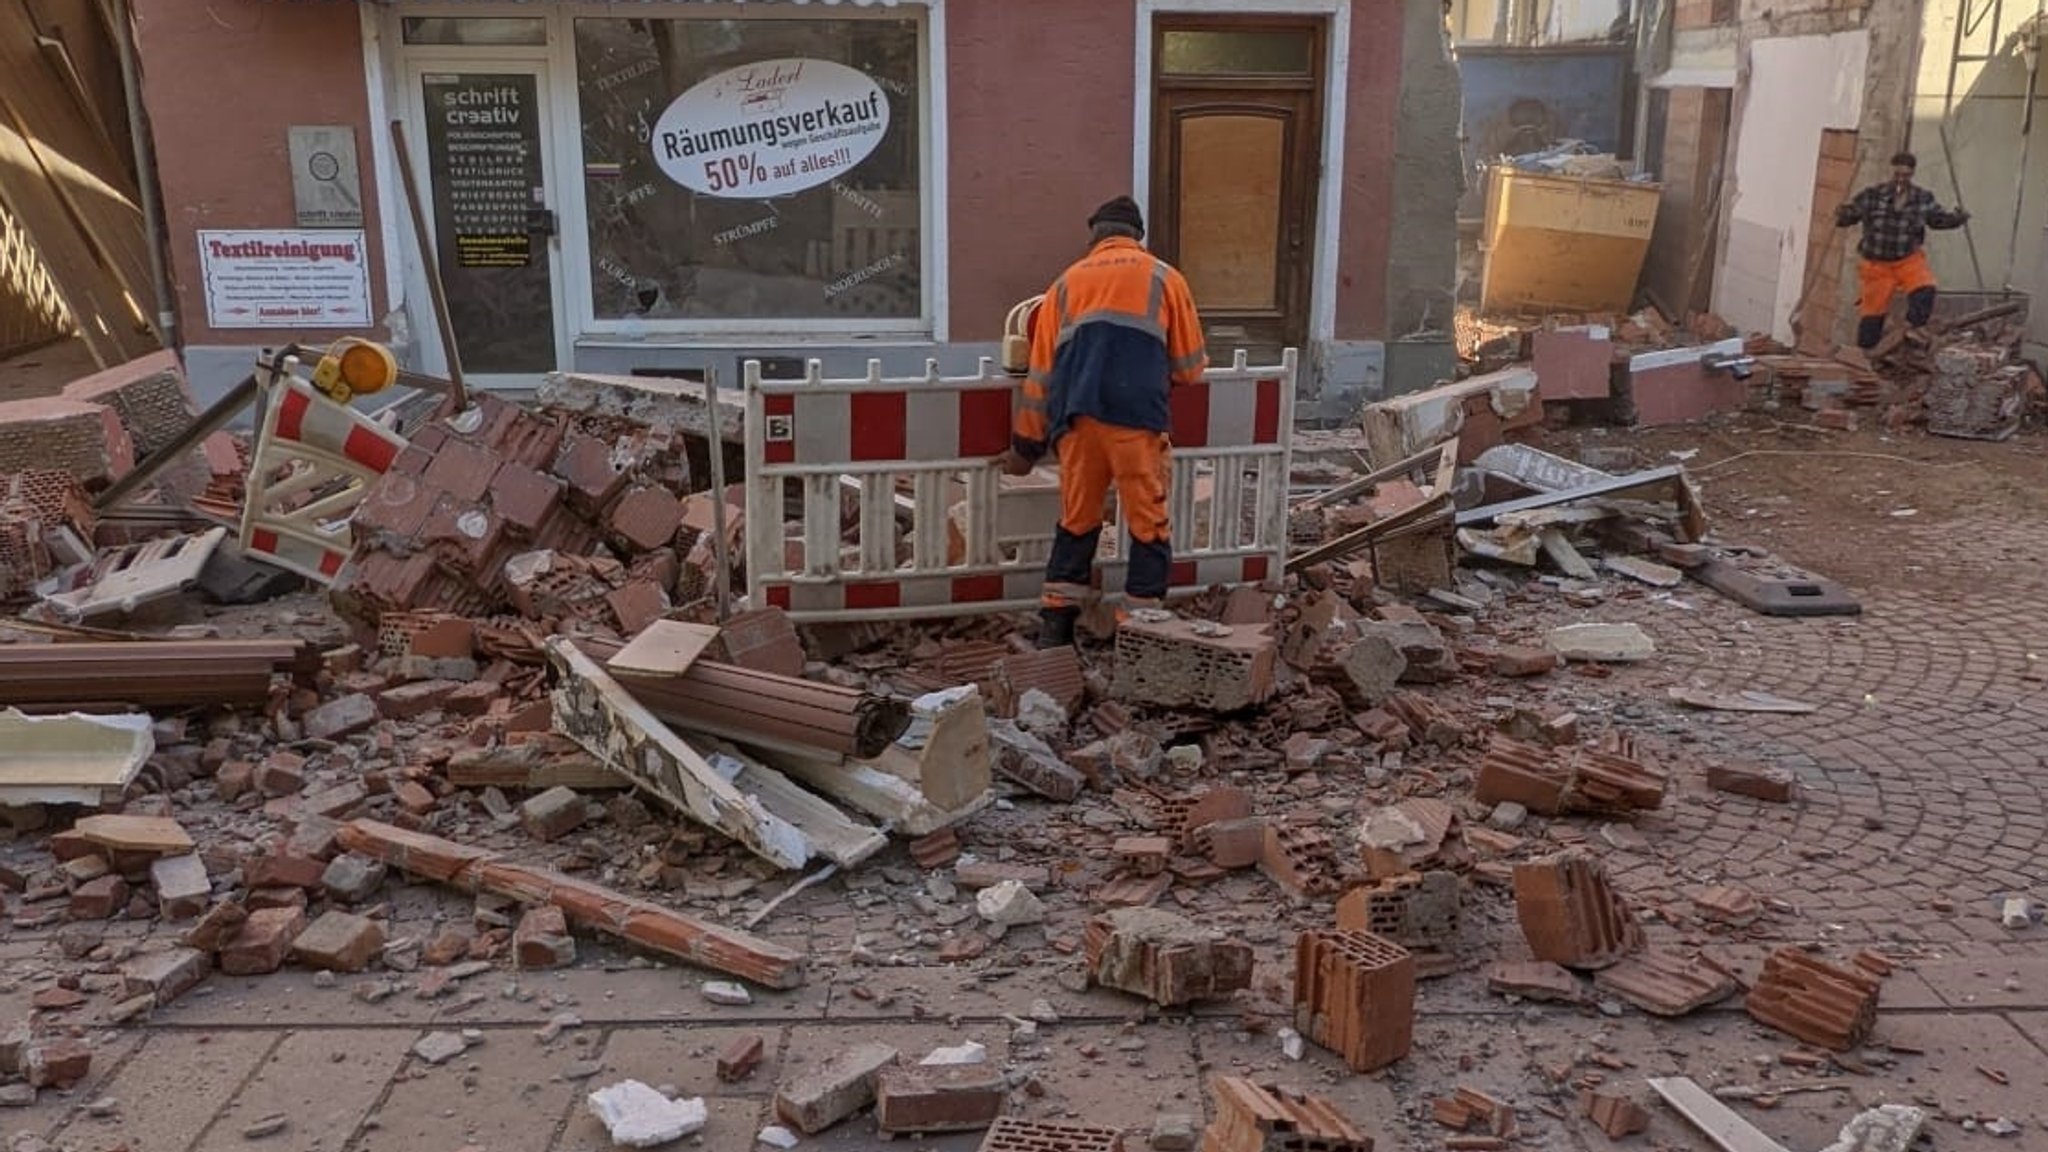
point(1539, 980)
point(763, 639)
point(1664, 983)
point(637, 604)
point(282, 869)
point(1300, 859)
point(740, 1058)
point(1174, 664)
point(164, 976)
point(542, 939)
point(1413, 910)
point(57, 1063)
point(418, 698)
point(182, 886)
point(235, 778)
point(341, 718)
point(1144, 855)
point(646, 518)
point(1404, 837)
point(937, 849)
point(939, 1098)
point(1726, 904)
point(1252, 1117)
point(1516, 661)
point(414, 797)
point(216, 927)
point(835, 1088)
point(260, 945)
point(1815, 1001)
point(281, 774)
point(1231, 844)
point(1617, 1116)
point(339, 942)
point(1011, 1134)
point(975, 875)
point(99, 899)
point(1523, 774)
point(1570, 915)
point(1166, 958)
point(553, 814)
point(1354, 994)
point(1758, 782)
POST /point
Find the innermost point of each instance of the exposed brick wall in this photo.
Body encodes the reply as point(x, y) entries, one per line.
point(85, 440)
point(147, 395)
point(1039, 105)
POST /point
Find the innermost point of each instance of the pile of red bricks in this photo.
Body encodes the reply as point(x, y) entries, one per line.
point(560, 519)
point(46, 523)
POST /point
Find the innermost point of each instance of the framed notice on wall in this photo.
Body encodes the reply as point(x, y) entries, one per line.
point(286, 279)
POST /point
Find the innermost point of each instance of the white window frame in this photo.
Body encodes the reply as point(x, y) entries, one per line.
point(385, 57)
point(1322, 309)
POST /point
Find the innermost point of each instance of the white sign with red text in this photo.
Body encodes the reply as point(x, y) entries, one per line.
point(770, 129)
point(286, 279)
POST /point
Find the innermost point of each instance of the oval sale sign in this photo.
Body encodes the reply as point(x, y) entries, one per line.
point(770, 129)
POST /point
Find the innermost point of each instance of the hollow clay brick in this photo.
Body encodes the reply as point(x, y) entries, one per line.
point(1570, 915)
point(1815, 1001)
point(1354, 993)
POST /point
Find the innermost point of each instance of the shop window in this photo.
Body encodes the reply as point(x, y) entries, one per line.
point(470, 32)
point(752, 169)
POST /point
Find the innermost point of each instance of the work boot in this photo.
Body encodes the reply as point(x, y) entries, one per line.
point(1056, 627)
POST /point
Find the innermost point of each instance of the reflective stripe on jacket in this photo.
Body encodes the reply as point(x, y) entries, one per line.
point(1115, 331)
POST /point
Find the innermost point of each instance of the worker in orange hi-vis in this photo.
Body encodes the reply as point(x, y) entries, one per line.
point(1895, 216)
point(1114, 334)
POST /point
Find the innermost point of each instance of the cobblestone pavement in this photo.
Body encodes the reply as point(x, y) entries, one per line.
point(1922, 805)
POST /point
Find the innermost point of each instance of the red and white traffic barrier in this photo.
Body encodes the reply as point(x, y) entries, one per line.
point(940, 533)
point(313, 463)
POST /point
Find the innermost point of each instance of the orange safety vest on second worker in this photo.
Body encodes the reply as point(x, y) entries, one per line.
point(1113, 334)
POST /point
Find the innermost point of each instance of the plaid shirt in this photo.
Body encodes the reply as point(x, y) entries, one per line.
point(1894, 231)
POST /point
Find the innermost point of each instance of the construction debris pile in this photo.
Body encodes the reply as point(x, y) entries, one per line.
point(526, 696)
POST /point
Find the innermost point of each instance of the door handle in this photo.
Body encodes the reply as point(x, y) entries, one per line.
point(540, 221)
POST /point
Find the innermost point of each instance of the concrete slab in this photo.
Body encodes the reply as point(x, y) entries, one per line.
point(490, 1096)
point(688, 1056)
point(326, 1081)
point(173, 1089)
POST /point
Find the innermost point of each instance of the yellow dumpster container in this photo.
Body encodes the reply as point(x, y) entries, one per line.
point(1563, 243)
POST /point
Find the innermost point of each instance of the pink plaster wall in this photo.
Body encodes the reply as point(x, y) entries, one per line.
point(1039, 126)
point(1371, 109)
point(223, 80)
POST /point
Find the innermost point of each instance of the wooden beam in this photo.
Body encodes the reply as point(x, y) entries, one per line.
point(636, 921)
point(1715, 1120)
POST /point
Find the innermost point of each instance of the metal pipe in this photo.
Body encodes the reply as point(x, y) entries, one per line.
point(210, 421)
point(715, 446)
point(458, 396)
point(2032, 52)
point(145, 175)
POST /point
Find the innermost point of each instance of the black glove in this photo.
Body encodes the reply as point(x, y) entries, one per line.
point(1962, 216)
point(1845, 215)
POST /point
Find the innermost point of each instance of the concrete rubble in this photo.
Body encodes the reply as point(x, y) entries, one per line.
point(1304, 802)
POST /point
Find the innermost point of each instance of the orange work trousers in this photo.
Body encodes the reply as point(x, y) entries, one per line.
point(1094, 456)
point(1877, 280)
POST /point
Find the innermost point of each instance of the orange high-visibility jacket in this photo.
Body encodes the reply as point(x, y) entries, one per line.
point(1115, 332)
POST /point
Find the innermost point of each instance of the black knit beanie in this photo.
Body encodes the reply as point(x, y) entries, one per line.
point(1122, 210)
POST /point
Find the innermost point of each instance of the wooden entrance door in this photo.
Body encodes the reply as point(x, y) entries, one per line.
point(1236, 133)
